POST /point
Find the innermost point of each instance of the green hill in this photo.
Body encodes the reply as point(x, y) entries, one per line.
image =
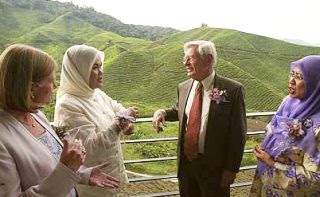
point(260, 63)
point(19, 17)
point(144, 72)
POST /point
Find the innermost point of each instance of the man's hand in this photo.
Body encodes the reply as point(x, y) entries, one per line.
point(158, 118)
point(227, 178)
point(263, 156)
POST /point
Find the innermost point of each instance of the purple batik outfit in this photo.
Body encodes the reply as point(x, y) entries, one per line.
point(296, 152)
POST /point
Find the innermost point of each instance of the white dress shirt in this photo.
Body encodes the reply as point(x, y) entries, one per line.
point(207, 87)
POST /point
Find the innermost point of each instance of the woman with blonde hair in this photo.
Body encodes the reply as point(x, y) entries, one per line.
point(33, 161)
point(82, 107)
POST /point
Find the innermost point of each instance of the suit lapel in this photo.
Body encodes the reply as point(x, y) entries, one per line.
point(212, 106)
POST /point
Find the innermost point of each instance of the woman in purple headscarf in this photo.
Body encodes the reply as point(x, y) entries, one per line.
point(289, 159)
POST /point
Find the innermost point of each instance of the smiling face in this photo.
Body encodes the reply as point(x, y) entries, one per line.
point(96, 75)
point(198, 68)
point(296, 87)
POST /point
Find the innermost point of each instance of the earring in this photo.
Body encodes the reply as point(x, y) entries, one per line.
point(32, 97)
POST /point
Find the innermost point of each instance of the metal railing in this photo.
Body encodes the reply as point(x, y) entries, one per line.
point(174, 176)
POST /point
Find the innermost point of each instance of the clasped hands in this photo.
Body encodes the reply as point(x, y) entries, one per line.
point(73, 155)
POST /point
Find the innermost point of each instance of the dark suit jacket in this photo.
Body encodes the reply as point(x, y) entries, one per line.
point(226, 127)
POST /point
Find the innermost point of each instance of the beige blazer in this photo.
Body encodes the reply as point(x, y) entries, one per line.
point(27, 167)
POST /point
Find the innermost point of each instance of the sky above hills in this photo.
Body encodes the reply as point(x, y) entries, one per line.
point(281, 19)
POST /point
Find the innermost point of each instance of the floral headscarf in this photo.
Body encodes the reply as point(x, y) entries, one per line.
point(302, 115)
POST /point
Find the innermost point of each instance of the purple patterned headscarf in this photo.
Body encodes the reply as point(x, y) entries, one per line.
point(306, 111)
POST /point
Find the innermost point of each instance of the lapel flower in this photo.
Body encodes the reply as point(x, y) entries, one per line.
point(219, 96)
point(295, 129)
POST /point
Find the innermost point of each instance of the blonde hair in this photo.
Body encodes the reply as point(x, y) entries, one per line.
point(20, 65)
point(204, 48)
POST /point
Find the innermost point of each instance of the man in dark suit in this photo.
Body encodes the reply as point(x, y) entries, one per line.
point(212, 125)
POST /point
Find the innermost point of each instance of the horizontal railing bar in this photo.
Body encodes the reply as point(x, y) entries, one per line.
point(149, 140)
point(250, 114)
point(244, 168)
point(255, 132)
point(248, 151)
point(171, 139)
point(152, 178)
point(254, 114)
point(174, 176)
point(133, 161)
point(242, 184)
point(139, 120)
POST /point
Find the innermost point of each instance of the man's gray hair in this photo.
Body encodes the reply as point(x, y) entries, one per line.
point(204, 48)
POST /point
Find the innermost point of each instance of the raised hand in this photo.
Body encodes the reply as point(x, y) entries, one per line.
point(158, 119)
point(73, 153)
point(101, 179)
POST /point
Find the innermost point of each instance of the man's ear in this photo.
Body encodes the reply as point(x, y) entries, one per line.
point(209, 59)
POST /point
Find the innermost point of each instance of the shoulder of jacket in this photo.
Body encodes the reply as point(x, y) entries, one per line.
point(229, 82)
point(185, 83)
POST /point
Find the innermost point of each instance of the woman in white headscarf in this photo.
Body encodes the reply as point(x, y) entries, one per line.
point(82, 107)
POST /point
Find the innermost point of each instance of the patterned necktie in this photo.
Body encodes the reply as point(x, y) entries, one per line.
point(191, 138)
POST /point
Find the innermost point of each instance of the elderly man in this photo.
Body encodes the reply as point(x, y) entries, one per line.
point(212, 125)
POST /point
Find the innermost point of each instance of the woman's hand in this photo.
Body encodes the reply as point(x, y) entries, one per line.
point(73, 153)
point(263, 156)
point(126, 126)
point(101, 179)
point(133, 111)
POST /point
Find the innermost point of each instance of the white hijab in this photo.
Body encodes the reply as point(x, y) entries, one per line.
point(76, 69)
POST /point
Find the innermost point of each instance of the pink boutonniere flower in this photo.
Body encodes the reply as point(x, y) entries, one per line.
point(219, 96)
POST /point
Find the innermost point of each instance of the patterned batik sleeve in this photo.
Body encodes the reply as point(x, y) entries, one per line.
point(299, 171)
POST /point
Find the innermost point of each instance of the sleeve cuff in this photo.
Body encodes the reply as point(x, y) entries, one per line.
point(84, 174)
point(280, 166)
point(61, 177)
